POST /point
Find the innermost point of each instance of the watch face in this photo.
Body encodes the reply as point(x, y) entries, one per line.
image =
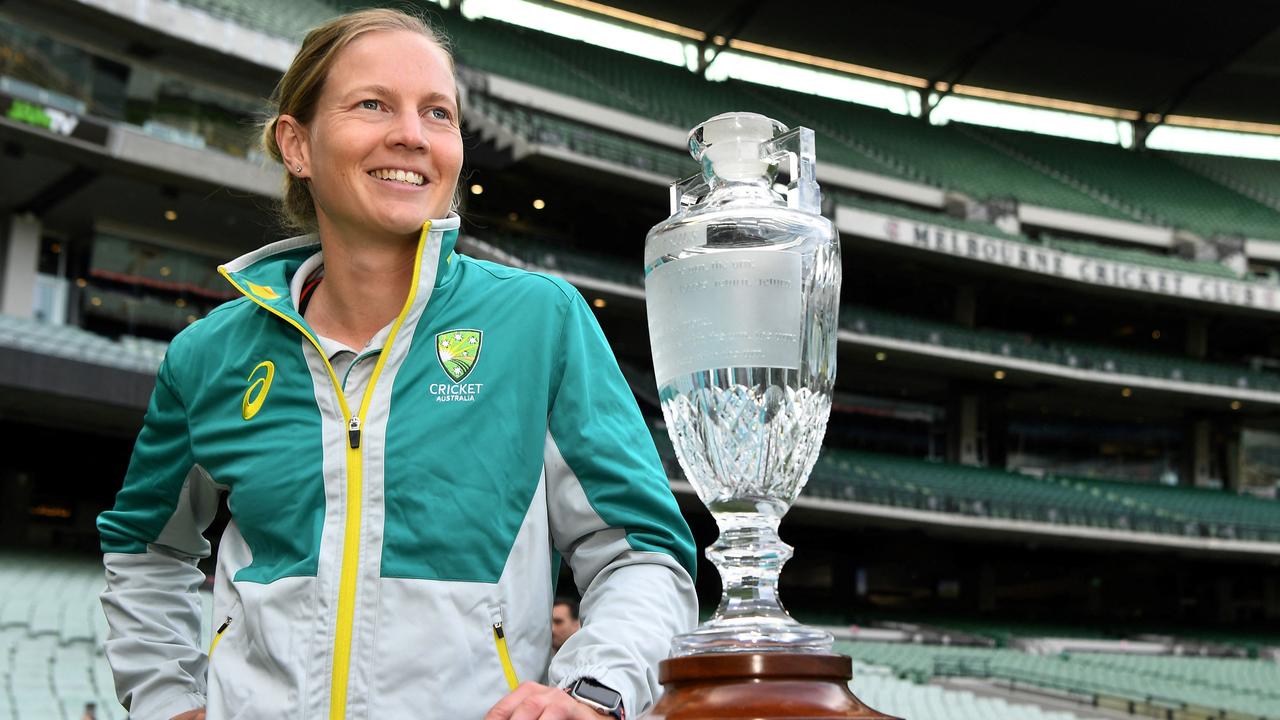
point(588, 689)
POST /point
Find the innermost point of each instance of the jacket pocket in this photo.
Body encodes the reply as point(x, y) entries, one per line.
point(500, 645)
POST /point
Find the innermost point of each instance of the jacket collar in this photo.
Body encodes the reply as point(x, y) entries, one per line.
point(263, 275)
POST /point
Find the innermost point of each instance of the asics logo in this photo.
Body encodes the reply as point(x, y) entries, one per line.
point(258, 389)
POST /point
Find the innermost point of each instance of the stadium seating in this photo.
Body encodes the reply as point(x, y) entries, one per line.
point(548, 255)
point(1249, 687)
point(879, 479)
point(937, 155)
point(1001, 494)
point(1085, 356)
point(880, 689)
point(1258, 179)
point(51, 634)
point(73, 343)
point(547, 129)
point(51, 631)
point(288, 20)
point(1167, 192)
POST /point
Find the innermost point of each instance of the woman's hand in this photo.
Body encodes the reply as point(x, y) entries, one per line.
point(532, 701)
point(197, 714)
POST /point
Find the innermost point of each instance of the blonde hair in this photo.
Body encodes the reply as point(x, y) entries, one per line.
point(299, 90)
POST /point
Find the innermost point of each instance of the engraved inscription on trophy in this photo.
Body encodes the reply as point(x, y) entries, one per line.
point(732, 308)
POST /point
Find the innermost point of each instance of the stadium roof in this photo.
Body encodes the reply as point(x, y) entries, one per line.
point(1209, 60)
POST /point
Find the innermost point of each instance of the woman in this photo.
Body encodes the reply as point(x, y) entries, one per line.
point(410, 440)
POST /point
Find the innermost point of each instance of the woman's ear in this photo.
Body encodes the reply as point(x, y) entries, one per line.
point(294, 144)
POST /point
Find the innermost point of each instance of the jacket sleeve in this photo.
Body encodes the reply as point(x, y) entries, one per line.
point(151, 541)
point(615, 521)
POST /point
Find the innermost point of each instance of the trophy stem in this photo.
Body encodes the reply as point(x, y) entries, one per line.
point(749, 555)
point(750, 618)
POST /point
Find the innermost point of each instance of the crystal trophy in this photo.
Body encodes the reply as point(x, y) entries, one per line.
point(742, 286)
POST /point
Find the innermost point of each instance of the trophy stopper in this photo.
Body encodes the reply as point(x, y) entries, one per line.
point(731, 144)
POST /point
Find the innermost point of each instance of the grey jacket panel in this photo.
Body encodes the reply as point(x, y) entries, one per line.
point(152, 605)
point(633, 602)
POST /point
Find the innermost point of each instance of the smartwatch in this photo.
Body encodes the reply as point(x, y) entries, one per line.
point(602, 699)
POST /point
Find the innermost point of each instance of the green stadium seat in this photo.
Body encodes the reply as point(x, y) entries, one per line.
point(1258, 179)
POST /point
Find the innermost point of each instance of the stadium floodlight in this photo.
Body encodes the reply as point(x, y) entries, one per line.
point(1022, 117)
point(1214, 142)
point(763, 71)
point(569, 24)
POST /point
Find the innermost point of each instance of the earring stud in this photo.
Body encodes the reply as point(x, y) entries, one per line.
point(299, 168)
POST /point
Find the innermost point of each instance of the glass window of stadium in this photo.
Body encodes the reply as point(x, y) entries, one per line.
point(1141, 452)
point(138, 288)
point(38, 68)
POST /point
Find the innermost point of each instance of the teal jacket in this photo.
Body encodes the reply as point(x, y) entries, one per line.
point(392, 555)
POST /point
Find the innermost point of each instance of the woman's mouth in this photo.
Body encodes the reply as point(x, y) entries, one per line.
point(408, 177)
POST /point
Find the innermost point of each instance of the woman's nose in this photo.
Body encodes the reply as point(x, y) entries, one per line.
point(407, 132)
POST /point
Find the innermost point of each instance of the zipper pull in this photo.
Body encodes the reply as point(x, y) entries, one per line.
point(497, 631)
point(224, 626)
point(353, 432)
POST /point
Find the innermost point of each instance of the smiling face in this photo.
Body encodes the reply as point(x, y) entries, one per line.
point(383, 150)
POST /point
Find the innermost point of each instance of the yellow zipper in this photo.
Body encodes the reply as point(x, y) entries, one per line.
point(509, 670)
point(355, 484)
point(218, 636)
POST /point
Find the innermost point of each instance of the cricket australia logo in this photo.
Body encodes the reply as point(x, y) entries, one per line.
point(458, 352)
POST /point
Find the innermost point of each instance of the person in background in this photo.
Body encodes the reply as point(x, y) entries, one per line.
point(409, 440)
point(564, 621)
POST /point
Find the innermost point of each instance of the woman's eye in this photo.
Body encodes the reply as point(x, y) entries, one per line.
point(440, 114)
point(370, 104)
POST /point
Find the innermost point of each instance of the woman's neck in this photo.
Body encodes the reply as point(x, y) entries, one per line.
point(365, 286)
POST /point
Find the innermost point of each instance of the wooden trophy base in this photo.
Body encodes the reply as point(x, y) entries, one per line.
point(760, 686)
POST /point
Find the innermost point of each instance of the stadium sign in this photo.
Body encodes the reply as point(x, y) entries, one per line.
point(51, 119)
point(1047, 261)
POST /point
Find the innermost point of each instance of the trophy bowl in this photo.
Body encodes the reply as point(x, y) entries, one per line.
point(742, 287)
